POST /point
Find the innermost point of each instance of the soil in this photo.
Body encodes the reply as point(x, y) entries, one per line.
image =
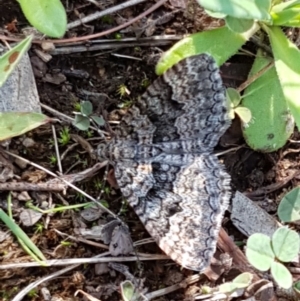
point(116, 78)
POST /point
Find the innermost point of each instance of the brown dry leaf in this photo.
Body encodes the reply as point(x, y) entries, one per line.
point(112, 180)
point(33, 176)
point(84, 144)
point(11, 27)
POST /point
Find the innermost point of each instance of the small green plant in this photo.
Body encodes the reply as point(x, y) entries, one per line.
point(86, 116)
point(89, 134)
point(234, 98)
point(33, 293)
point(39, 228)
point(125, 104)
point(272, 97)
point(145, 83)
point(77, 106)
point(118, 36)
point(53, 160)
point(123, 90)
point(79, 196)
point(266, 253)
point(124, 207)
point(107, 19)
point(98, 184)
point(51, 142)
point(64, 136)
point(7, 294)
point(107, 190)
point(66, 243)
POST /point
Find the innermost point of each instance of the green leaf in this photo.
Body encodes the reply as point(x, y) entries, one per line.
point(281, 6)
point(281, 275)
point(241, 281)
point(128, 291)
point(244, 114)
point(269, 128)
point(11, 58)
point(22, 236)
point(49, 17)
point(81, 122)
point(234, 97)
point(289, 207)
point(238, 25)
point(14, 124)
point(86, 108)
point(287, 63)
point(285, 244)
point(296, 287)
point(287, 17)
point(245, 9)
point(259, 251)
point(221, 43)
point(99, 120)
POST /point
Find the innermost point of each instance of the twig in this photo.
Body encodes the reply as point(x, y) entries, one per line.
point(25, 186)
point(253, 78)
point(102, 13)
point(116, 45)
point(36, 283)
point(272, 187)
point(127, 57)
point(53, 185)
point(56, 149)
point(226, 244)
point(233, 149)
point(96, 35)
point(67, 182)
point(62, 262)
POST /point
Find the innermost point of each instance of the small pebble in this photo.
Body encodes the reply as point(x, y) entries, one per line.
point(28, 142)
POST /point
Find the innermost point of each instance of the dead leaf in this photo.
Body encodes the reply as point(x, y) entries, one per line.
point(30, 217)
point(33, 176)
point(121, 243)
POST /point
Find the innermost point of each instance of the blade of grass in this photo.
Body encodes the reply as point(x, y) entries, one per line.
point(58, 209)
point(22, 237)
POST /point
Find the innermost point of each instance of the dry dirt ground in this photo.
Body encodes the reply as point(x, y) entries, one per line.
point(112, 79)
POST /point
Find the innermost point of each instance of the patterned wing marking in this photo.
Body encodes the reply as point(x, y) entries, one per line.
point(182, 206)
point(188, 102)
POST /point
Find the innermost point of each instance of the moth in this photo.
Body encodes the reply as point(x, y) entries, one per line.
point(162, 154)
